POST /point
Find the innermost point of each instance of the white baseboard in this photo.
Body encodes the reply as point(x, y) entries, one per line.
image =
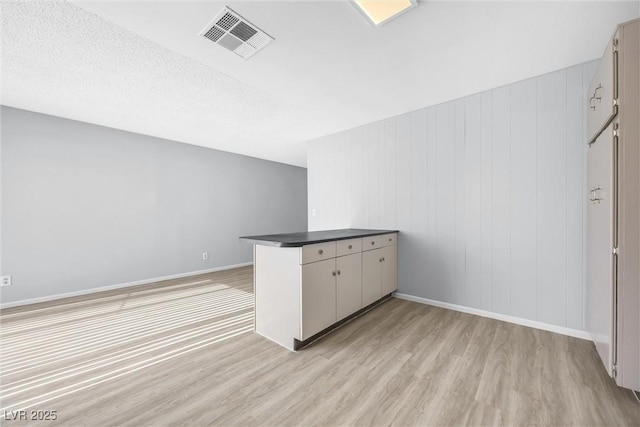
point(118, 286)
point(504, 317)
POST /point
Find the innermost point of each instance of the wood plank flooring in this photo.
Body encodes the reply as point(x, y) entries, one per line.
point(182, 352)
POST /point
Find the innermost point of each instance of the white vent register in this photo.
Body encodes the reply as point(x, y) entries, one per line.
point(236, 34)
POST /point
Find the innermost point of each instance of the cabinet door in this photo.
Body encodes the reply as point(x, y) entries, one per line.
point(600, 108)
point(318, 297)
point(389, 274)
point(371, 270)
point(599, 292)
point(349, 285)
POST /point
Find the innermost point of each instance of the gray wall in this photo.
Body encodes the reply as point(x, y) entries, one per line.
point(488, 192)
point(86, 206)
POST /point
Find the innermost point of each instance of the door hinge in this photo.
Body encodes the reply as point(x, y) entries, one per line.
point(615, 251)
point(615, 45)
point(614, 371)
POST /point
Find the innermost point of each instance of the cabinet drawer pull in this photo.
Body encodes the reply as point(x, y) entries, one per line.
point(320, 252)
point(350, 246)
point(380, 260)
point(373, 242)
point(338, 272)
point(333, 272)
point(390, 239)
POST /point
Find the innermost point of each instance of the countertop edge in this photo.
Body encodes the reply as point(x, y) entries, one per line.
point(280, 244)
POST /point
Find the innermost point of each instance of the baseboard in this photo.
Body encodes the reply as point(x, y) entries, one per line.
point(504, 317)
point(119, 285)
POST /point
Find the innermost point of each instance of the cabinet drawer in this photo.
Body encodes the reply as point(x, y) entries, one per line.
point(371, 242)
point(348, 247)
point(602, 92)
point(389, 239)
point(318, 252)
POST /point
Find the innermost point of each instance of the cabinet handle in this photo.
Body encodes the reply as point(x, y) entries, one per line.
point(595, 92)
point(373, 242)
point(595, 97)
point(350, 246)
point(380, 260)
point(320, 251)
point(333, 272)
point(338, 272)
point(390, 239)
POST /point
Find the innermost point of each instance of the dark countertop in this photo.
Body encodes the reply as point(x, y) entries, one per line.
point(294, 240)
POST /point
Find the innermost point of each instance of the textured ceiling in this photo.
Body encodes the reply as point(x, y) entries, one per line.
point(141, 66)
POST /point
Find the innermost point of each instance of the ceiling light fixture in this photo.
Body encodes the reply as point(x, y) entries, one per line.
point(380, 11)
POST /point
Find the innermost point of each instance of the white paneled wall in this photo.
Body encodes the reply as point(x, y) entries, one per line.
point(487, 191)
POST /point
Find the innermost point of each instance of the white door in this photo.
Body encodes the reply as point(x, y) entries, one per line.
point(600, 292)
point(349, 284)
point(318, 297)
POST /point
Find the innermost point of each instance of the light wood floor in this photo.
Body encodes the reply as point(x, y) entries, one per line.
point(182, 353)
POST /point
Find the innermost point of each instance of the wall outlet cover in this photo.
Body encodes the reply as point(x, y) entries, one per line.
point(205, 255)
point(6, 281)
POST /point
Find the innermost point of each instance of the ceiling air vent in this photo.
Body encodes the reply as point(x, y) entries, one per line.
point(236, 34)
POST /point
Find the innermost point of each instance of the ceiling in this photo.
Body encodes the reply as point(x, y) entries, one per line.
point(142, 67)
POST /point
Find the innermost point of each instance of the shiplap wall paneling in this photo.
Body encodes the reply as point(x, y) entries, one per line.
point(574, 196)
point(486, 140)
point(487, 191)
point(470, 237)
point(432, 204)
point(551, 184)
point(445, 249)
point(459, 282)
point(501, 200)
point(523, 200)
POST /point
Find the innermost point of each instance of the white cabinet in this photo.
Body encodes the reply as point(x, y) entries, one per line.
point(318, 297)
point(379, 269)
point(348, 285)
point(389, 270)
point(303, 291)
point(612, 293)
point(600, 290)
point(601, 95)
point(371, 273)
point(331, 291)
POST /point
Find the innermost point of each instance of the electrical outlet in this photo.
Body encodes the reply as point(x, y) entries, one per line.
point(205, 255)
point(6, 281)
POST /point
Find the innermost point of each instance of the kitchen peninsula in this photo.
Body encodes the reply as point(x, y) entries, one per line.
point(308, 283)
